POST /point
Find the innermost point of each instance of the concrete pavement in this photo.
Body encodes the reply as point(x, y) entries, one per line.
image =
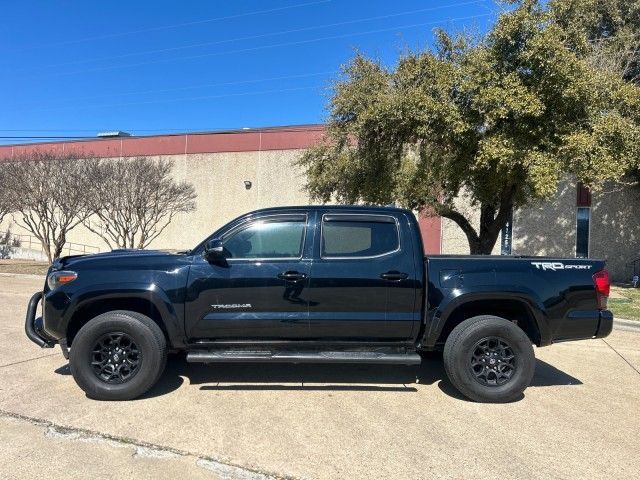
point(578, 419)
point(34, 450)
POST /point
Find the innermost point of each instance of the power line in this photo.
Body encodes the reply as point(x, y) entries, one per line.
point(175, 25)
point(205, 85)
point(265, 35)
point(265, 47)
point(172, 100)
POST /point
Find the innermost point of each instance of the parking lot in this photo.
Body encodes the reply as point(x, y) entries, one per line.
point(580, 417)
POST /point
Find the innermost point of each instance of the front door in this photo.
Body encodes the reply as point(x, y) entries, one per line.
point(259, 290)
point(363, 280)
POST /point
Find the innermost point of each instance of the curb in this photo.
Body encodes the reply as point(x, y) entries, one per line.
point(628, 325)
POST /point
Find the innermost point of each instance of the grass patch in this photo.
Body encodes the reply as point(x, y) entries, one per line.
point(624, 302)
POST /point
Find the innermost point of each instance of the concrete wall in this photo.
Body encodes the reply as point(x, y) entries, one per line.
point(615, 229)
point(549, 228)
point(219, 182)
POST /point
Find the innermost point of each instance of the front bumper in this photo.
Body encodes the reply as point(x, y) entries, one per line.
point(33, 326)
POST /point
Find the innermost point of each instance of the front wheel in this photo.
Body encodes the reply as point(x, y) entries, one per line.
point(118, 355)
point(489, 359)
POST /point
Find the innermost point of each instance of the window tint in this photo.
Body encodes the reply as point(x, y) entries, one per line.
point(358, 238)
point(266, 240)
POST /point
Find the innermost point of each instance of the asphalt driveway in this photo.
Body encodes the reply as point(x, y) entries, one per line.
point(580, 417)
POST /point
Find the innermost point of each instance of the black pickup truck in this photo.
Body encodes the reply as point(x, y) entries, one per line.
point(321, 284)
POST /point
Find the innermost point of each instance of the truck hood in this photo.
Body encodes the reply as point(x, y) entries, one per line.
point(115, 256)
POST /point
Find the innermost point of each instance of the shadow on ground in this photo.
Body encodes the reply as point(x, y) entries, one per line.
point(365, 378)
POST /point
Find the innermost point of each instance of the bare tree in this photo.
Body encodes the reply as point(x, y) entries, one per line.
point(132, 201)
point(5, 201)
point(48, 192)
point(620, 57)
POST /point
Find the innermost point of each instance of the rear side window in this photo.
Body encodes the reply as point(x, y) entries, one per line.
point(354, 236)
point(274, 239)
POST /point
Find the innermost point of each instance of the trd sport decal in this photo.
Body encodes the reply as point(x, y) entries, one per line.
point(559, 266)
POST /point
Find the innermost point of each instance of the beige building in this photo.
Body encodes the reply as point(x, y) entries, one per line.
point(239, 171)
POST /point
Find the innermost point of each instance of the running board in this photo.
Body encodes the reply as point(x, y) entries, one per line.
point(409, 358)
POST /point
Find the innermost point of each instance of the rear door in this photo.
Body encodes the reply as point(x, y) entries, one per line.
point(260, 290)
point(363, 279)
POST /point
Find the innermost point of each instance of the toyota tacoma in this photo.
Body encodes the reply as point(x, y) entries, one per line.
point(315, 284)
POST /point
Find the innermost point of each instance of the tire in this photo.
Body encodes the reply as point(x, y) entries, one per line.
point(477, 359)
point(139, 349)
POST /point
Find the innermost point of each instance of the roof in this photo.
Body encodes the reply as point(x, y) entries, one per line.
point(369, 208)
point(292, 137)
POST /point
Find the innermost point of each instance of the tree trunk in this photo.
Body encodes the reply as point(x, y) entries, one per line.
point(492, 220)
point(58, 251)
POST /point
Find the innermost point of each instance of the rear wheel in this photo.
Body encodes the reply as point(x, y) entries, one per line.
point(489, 359)
point(118, 355)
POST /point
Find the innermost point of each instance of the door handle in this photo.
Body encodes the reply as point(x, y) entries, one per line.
point(394, 276)
point(292, 276)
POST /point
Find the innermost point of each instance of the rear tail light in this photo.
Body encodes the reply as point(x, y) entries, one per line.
point(601, 281)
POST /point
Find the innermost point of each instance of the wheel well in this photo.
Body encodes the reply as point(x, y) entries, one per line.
point(513, 310)
point(86, 313)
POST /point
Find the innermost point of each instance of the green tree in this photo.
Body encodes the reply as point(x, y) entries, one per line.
point(497, 120)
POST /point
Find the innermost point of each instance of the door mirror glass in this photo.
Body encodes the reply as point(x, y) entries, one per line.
point(214, 250)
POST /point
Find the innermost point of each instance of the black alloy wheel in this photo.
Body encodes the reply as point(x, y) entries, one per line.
point(115, 358)
point(493, 361)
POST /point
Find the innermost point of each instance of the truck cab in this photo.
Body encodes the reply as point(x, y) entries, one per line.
point(325, 275)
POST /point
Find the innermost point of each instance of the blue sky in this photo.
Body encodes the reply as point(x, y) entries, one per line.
point(148, 67)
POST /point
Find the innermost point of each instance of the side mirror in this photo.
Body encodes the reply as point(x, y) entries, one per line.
point(213, 250)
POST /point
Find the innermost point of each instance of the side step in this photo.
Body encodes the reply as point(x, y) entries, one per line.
point(226, 356)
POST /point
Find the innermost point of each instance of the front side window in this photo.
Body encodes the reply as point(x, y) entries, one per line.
point(266, 239)
point(349, 237)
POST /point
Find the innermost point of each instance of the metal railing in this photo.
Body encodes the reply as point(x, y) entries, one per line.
point(635, 265)
point(29, 242)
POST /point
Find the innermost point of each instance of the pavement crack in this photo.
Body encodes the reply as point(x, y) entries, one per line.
point(225, 470)
point(621, 356)
point(228, 472)
point(30, 360)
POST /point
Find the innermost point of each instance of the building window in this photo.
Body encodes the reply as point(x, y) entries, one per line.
point(582, 232)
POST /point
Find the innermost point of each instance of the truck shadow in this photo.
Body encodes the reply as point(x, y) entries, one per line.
point(310, 377)
point(331, 377)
